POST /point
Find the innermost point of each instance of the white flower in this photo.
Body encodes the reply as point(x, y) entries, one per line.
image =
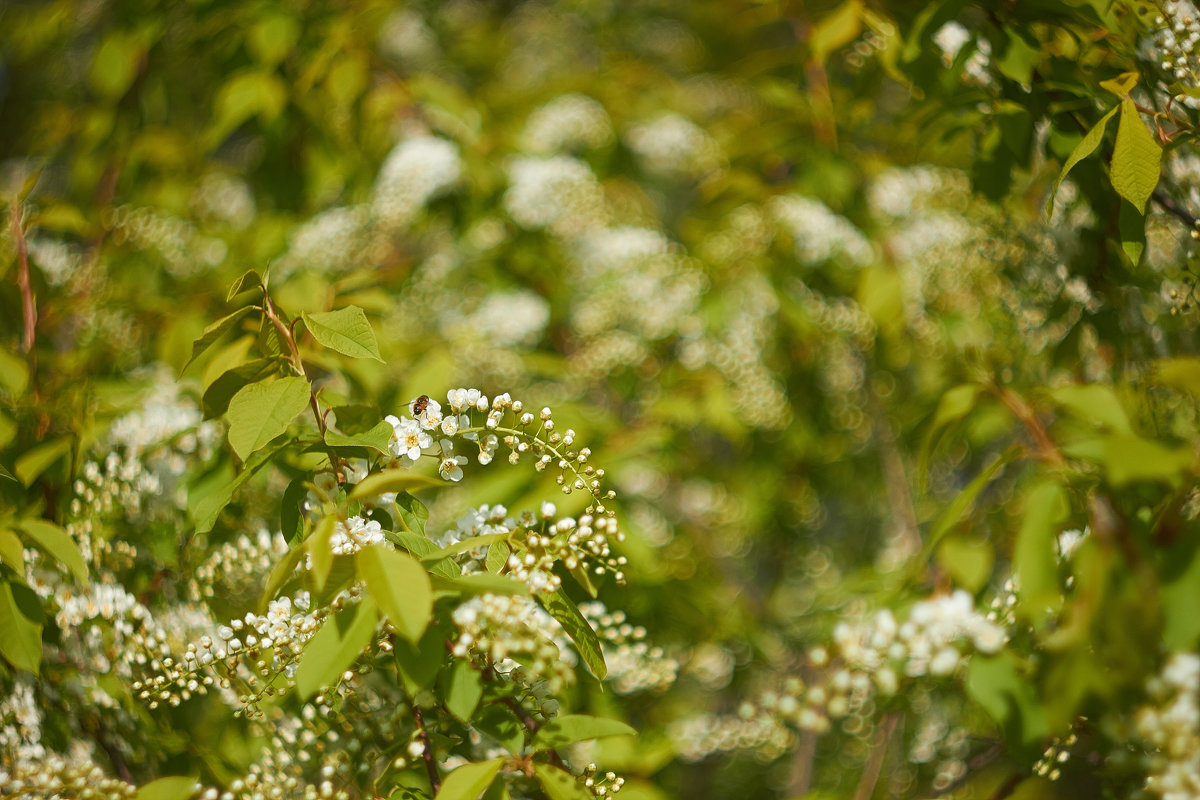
point(410, 440)
point(451, 466)
point(416, 170)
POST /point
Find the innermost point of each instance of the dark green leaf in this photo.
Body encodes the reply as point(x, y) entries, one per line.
point(581, 633)
point(462, 690)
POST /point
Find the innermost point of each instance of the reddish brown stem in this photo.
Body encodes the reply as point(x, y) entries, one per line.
point(430, 767)
point(27, 299)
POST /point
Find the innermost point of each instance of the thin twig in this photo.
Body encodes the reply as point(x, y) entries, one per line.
point(427, 747)
point(870, 776)
point(27, 299)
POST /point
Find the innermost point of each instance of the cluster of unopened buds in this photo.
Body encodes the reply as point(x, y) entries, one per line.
point(497, 629)
point(601, 785)
point(504, 420)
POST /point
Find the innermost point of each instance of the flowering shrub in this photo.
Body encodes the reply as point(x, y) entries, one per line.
point(867, 330)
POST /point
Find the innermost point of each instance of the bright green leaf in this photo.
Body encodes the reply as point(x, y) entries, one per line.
point(335, 647)
point(1035, 557)
point(559, 784)
point(581, 633)
point(346, 331)
point(836, 30)
point(58, 543)
point(20, 626)
point(392, 480)
point(215, 331)
point(378, 438)
point(1096, 403)
point(35, 461)
point(173, 788)
point(463, 690)
point(261, 411)
point(469, 781)
point(12, 552)
point(400, 586)
point(1136, 158)
point(570, 728)
point(1132, 459)
point(1085, 148)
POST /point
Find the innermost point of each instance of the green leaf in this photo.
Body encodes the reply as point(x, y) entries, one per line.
point(335, 647)
point(836, 30)
point(20, 626)
point(400, 586)
point(481, 583)
point(560, 784)
point(346, 330)
point(246, 94)
point(205, 507)
point(413, 513)
point(965, 501)
point(249, 281)
point(968, 561)
point(291, 510)
point(465, 545)
point(1131, 228)
point(995, 683)
point(115, 64)
point(1180, 593)
point(37, 460)
point(393, 480)
point(1085, 148)
point(562, 609)
point(462, 691)
point(420, 662)
point(1035, 556)
point(1131, 459)
point(58, 543)
point(378, 438)
point(215, 331)
point(174, 788)
point(318, 548)
point(1095, 403)
point(261, 411)
point(469, 781)
point(1121, 85)
point(500, 723)
point(570, 728)
point(12, 552)
point(1181, 374)
point(1136, 158)
point(497, 557)
point(4, 473)
point(218, 393)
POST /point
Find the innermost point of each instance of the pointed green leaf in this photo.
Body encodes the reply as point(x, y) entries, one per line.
point(4, 473)
point(12, 552)
point(1094, 402)
point(464, 545)
point(481, 583)
point(173, 788)
point(378, 438)
point(1129, 458)
point(206, 507)
point(400, 585)
point(1122, 84)
point(249, 281)
point(335, 647)
point(560, 784)
point(836, 30)
point(20, 626)
point(497, 557)
point(58, 543)
point(1136, 158)
point(413, 513)
point(319, 550)
point(1035, 557)
point(469, 781)
point(1085, 148)
point(581, 633)
point(391, 480)
point(419, 663)
point(261, 411)
point(37, 460)
point(569, 728)
point(462, 690)
point(218, 393)
point(346, 330)
point(214, 332)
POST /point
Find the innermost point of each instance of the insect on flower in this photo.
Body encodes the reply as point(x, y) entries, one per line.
point(419, 405)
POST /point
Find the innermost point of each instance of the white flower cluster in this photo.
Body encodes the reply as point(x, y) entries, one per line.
point(417, 170)
point(672, 145)
point(502, 630)
point(185, 251)
point(818, 233)
point(951, 38)
point(260, 649)
point(1170, 723)
point(57, 260)
point(559, 193)
point(241, 562)
point(568, 122)
point(507, 319)
point(899, 191)
point(696, 738)
point(1177, 42)
point(333, 240)
point(226, 199)
point(406, 38)
point(354, 534)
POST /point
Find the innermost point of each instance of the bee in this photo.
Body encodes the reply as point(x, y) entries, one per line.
point(419, 405)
